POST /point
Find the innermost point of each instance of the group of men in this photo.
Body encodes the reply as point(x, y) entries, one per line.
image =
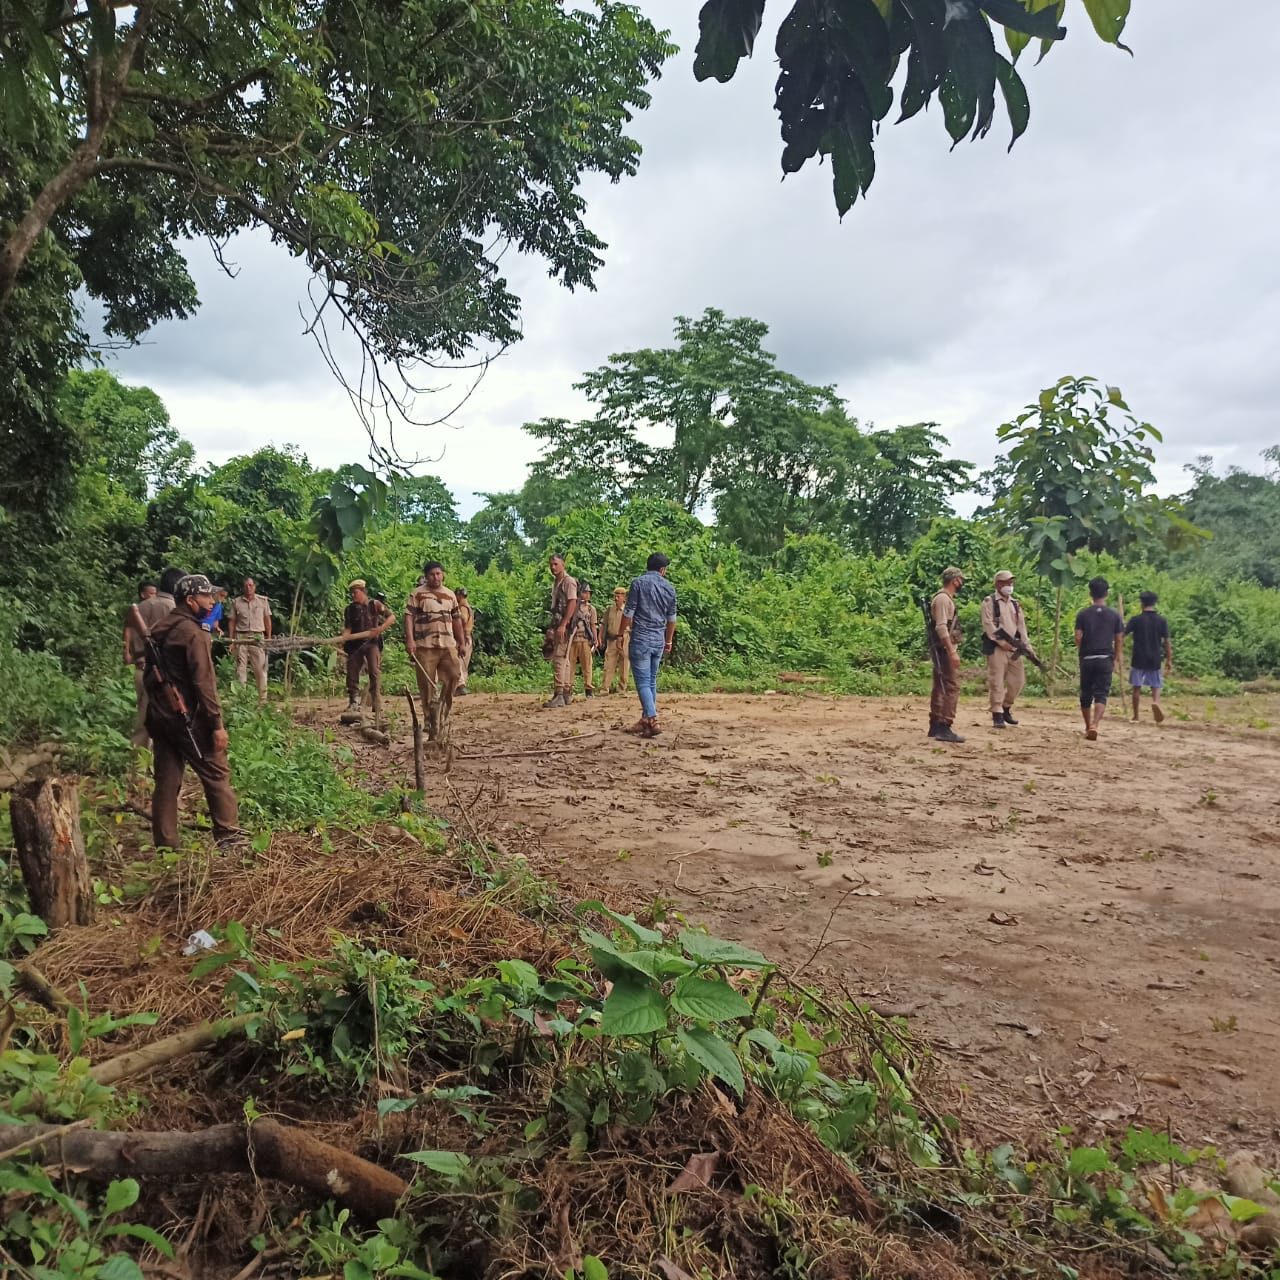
point(1006, 644)
point(637, 633)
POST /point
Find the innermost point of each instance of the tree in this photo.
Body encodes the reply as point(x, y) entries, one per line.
point(838, 63)
point(1241, 512)
point(1078, 477)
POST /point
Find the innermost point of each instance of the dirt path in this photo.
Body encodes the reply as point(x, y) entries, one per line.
point(1093, 928)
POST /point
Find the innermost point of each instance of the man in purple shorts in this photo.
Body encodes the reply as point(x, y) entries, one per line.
point(1151, 647)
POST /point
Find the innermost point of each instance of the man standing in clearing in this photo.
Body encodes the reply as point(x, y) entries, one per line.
point(564, 604)
point(611, 646)
point(944, 649)
point(1004, 627)
point(1151, 645)
point(1100, 640)
point(250, 619)
point(468, 615)
point(364, 615)
point(649, 623)
point(188, 666)
point(582, 640)
point(153, 604)
point(433, 635)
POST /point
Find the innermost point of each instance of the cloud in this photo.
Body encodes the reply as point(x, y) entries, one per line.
point(1127, 235)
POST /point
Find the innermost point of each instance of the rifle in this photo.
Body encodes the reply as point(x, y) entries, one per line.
point(170, 694)
point(930, 630)
point(1020, 648)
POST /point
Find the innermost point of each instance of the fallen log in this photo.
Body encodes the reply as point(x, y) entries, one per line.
point(46, 832)
point(138, 1061)
point(30, 981)
point(15, 771)
point(265, 1148)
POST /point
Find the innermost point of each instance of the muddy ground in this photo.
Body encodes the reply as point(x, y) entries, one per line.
point(1084, 932)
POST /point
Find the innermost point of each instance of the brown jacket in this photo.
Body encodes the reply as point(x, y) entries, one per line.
point(188, 656)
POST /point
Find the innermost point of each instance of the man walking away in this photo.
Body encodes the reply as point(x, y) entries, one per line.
point(611, 646)
point(361, 615)
point(944, 649)
point(433, 635)
point(1151, 646)
point(1100, 641)
point(648, 628)
point(197, 738)
point(1004, 628)
point(250, 619)
point(564, 604)
point(582, 640)
point(468, 615)
point(154, 603)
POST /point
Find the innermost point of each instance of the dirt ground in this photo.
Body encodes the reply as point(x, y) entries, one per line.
point(1086, 933)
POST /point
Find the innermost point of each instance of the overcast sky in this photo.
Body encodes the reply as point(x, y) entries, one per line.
point(1129, 235)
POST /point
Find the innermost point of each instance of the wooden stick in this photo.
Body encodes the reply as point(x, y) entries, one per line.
point(178, 1045)
point(419, 768)
point(543, 751)
point(30, 980)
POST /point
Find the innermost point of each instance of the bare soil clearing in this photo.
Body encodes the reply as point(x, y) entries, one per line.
point(1086, 932)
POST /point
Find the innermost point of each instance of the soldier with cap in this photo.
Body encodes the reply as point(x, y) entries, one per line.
point(198, 738)
point(1004, 637)
point(468, 615)
point(944, 648)
point(250, 619)
point(611, 646)
point(362, 616)
point(583, 631)
point(433, 635)
point(555, 648)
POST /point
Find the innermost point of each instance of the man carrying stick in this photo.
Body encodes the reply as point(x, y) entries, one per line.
point(433, 635)
point(368, 619)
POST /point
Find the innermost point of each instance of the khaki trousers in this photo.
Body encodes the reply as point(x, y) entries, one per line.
point(368, 658)
point(214, 772)
point(248, 655)
point(1006, 676)
point(561, 668)
point(945, 696)
point(140, 737)
point(438, 671)
point(464, 661)
point(615, 662)
point(580, 655)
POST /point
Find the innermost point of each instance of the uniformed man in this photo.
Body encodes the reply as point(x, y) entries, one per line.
point(1004, 629)
point(564, 604)
point(468, 630)
point(199, 739)
point(360, 616)
point(583, 631)
point(153, 604)
point(611, 646)
point(250, 619)
point(433, 635)
point(944, 648)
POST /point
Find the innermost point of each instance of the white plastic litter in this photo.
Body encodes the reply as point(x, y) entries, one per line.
point(199, 941)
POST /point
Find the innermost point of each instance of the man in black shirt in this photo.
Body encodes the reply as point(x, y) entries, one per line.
point(364, 621)
point(1100, 640)
point(1151, 648)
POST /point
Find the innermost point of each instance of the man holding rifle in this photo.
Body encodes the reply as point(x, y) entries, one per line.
point(1005, 643)
point(184, 715)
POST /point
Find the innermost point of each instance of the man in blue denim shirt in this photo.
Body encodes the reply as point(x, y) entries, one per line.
point(650, 618)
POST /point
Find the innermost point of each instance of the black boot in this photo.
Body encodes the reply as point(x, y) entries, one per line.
point(933, 728)
point(591, 693)
point(1008, 717)
point(945, 734)
point(997, 720)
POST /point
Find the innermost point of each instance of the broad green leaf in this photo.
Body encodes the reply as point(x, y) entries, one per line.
point(727, 31)
point(1241, 1209)
point(708, 999)
point(120, 1195)
point(452, 1164)
point(137, 1231)
point(714, 1054)
point(1108, 18)
point(1086, 1160)
point(593, 1268)
point(641, 933)
point(708, 950)
point(1016, 101)
point(120, 1267)
point(1031, 20)
point(633, 1008)
point(518, 973)
point(616, 963)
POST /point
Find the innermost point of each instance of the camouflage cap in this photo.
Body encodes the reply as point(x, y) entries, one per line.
point(194, 584)
point(950, 574)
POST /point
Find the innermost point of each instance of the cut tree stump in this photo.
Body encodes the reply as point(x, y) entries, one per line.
point(46, 830)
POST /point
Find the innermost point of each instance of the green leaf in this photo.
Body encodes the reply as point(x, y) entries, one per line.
point(1086, 1160)
point(638, 931)
point(727, 31)
point(615, 963)
point(1241, 1209)
point(1016, 101)
point(139, 1232)
point(593, 1268)
point(714, 1054)
point(1014, 15)
point(708, 999)
point(633, 1009)
point(451, 1164)
point(1108, 18)
point(120, 1267)
point(518, 973)
point(120, 1195)
point(708, 950)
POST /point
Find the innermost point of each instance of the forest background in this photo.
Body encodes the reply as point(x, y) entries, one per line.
point(801, 539)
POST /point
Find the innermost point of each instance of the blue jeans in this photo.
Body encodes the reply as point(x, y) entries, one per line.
point(645, 661)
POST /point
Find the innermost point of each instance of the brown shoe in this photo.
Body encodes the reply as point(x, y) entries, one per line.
point(640, 729)
point(652, 728)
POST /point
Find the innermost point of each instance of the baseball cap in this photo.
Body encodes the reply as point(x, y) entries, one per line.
point(1004, 576)
point(194, 584)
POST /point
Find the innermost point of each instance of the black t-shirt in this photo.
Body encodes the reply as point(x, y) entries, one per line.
point(1149, 630)
point(362, 617)
point(1099, 625)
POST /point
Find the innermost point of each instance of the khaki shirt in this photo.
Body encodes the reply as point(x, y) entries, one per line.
point(578, 627)
point(431, 615)
point(946, 622)
point(562, 593)
point(159, 606)
point(250, 615)
point(1003, 615)
point(468, 616)
point(613, 622)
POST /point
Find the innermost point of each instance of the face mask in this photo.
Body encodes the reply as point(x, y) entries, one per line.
point(203, 611)
point(1006, 591)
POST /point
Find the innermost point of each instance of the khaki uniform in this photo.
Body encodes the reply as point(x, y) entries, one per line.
point(189, 659)
point(434, 655)
point(251, 620)
point(562, 593)
point(582, 649)
point(159, 606)
point(468, 615)
point(1006, 672)
point(945, 696)
point(615, 653)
